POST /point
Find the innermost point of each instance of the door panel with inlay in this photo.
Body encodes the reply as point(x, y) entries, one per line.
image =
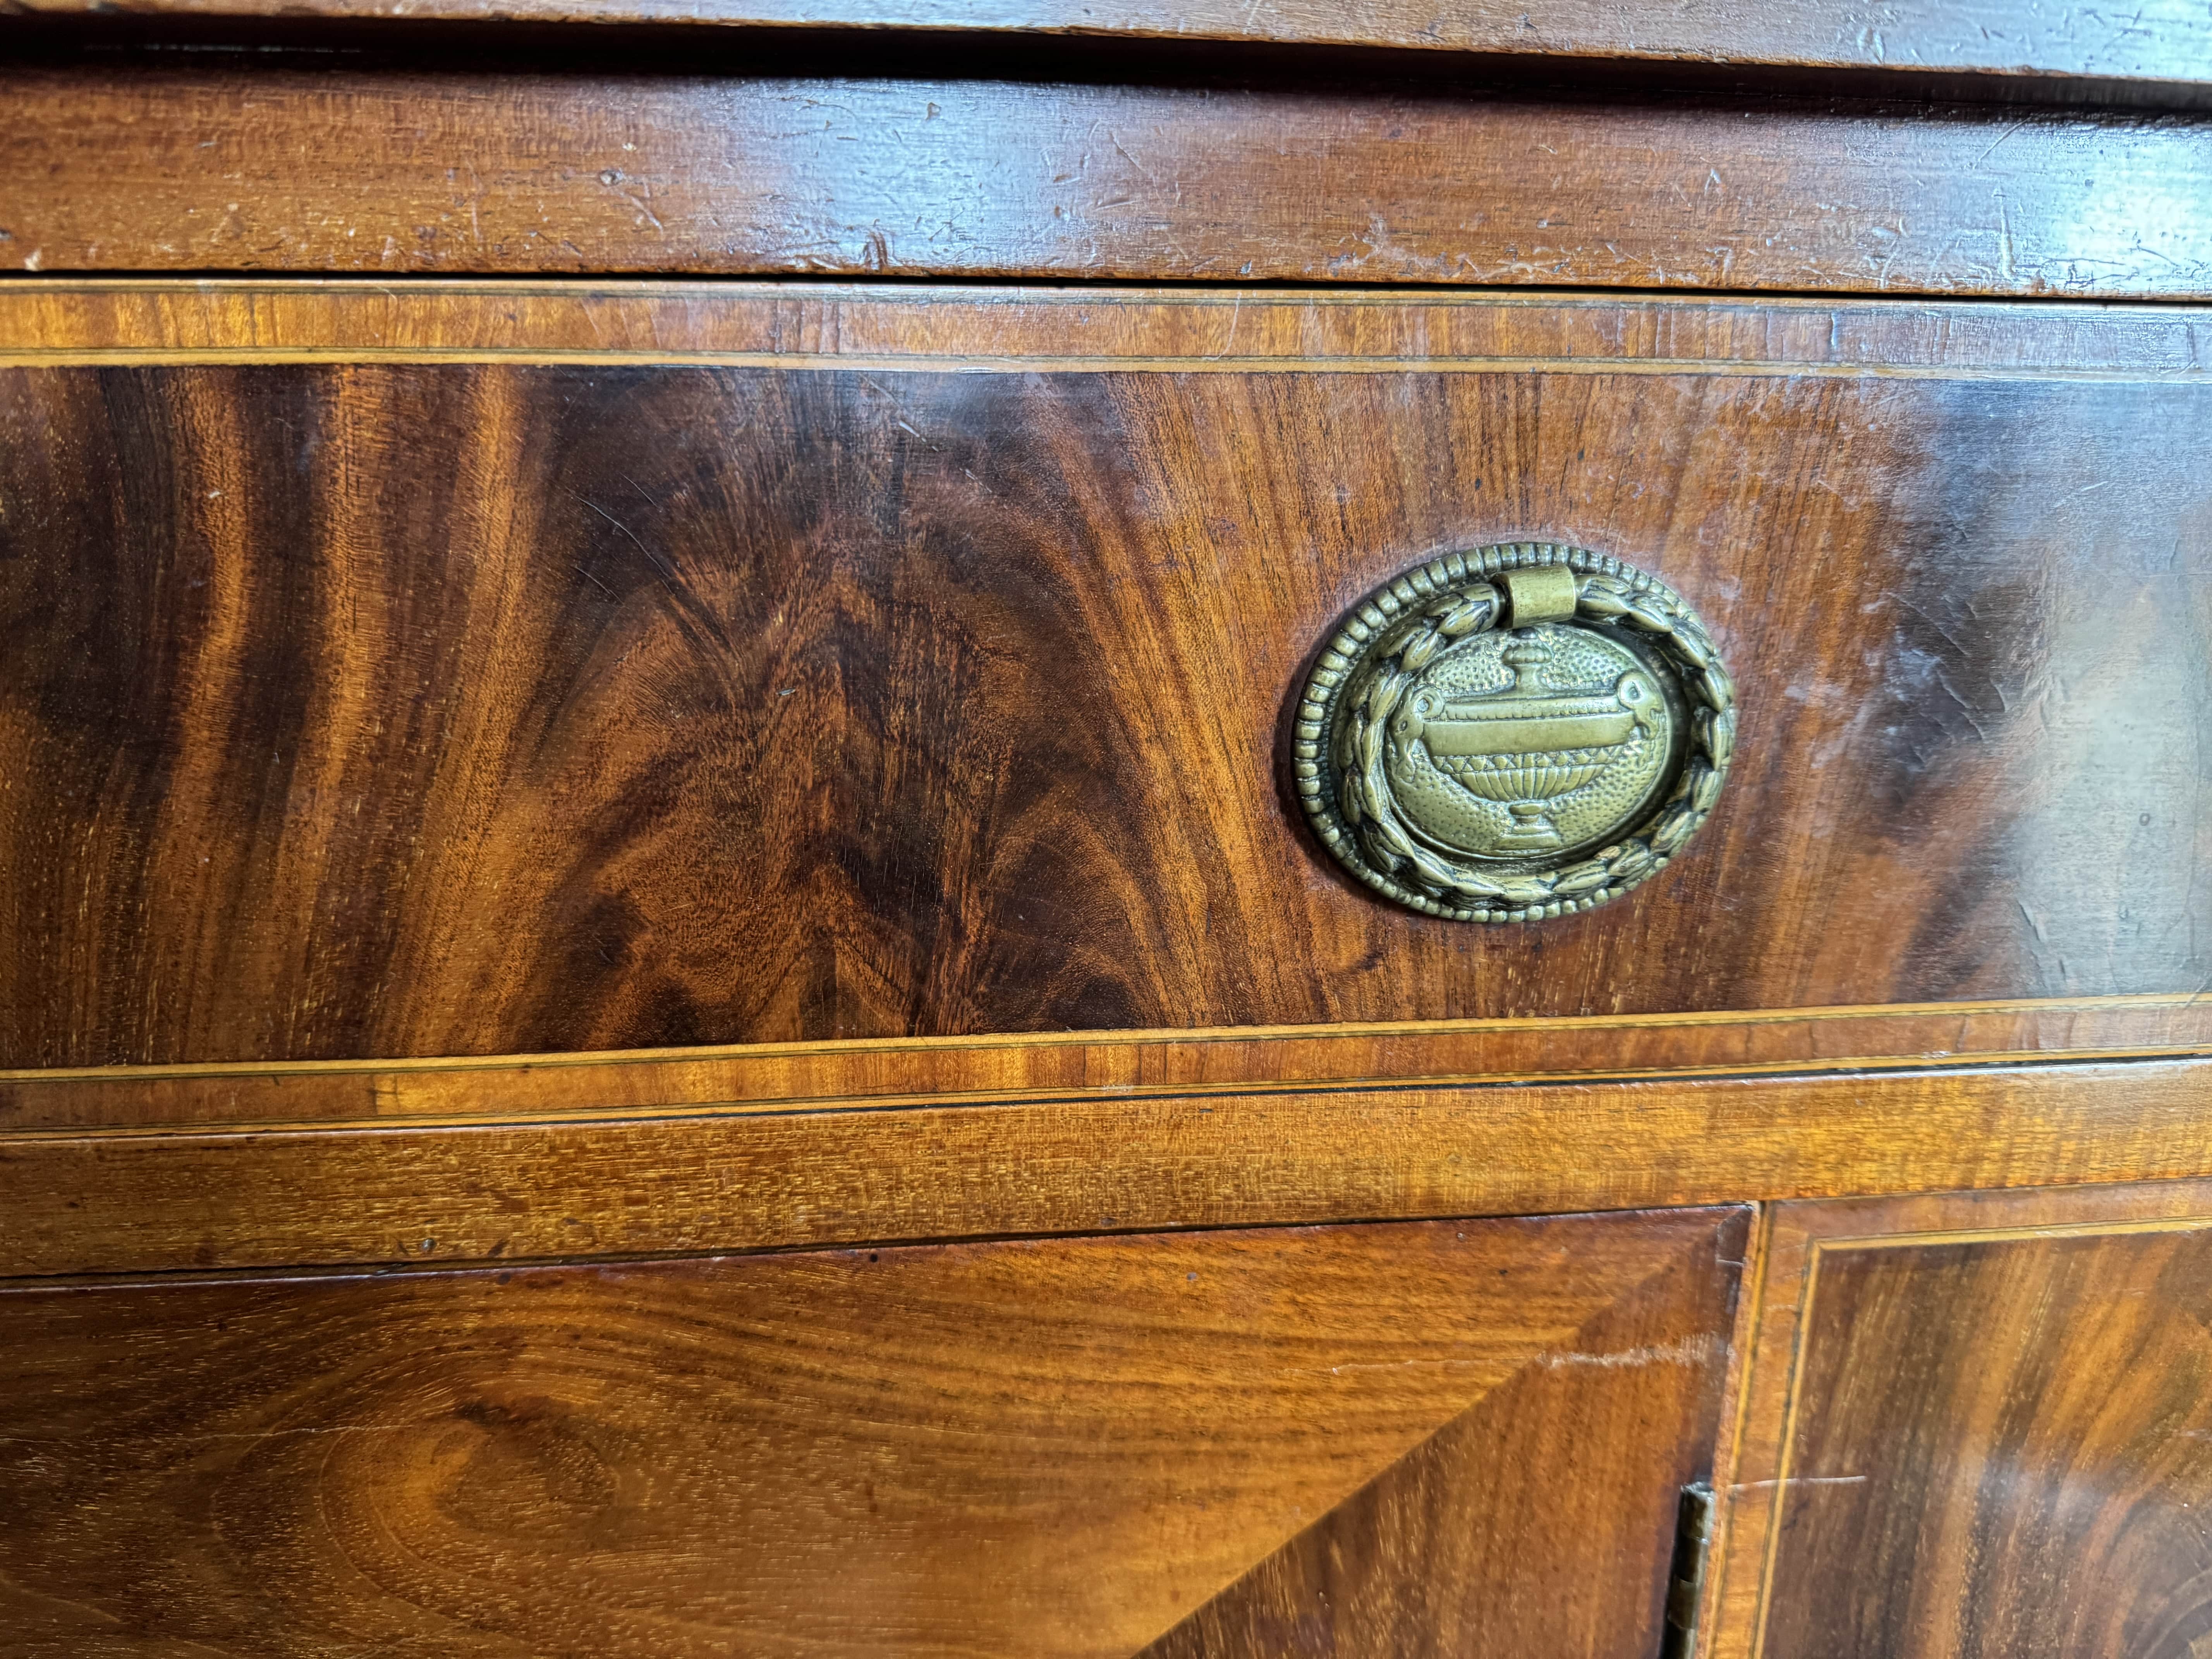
point(1385, 1440)
point(1979, 1426)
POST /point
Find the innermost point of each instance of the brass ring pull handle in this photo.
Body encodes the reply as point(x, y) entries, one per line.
point(1515, 732)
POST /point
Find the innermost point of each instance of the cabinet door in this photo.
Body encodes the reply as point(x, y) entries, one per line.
point(1978, 1427)
point(1394, 1439)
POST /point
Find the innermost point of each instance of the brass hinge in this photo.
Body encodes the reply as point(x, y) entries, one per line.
point(1686, 1580)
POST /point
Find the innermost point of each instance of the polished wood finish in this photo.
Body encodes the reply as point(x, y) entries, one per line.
point(1082, 1447)
point(696, 1180)
point(133, 320)
point(660, 991)
point(2165, 40)
point(1976, 1425)
point(202, 164)
point(780, 1077)
point(653, 706)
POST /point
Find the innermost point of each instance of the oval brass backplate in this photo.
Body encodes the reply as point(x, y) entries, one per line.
point(1515, 732)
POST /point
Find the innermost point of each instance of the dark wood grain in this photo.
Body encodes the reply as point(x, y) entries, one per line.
point(2166, 40)
point(699, 1180)
point(271, 167)
point(1013, 1449)
point(1978, 1426)
point(383, 709)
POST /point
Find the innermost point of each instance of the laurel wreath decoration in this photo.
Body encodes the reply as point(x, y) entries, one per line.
point(1372, 666)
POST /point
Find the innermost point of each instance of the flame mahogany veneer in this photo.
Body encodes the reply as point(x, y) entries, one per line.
point(782, 697)
point(660, 991)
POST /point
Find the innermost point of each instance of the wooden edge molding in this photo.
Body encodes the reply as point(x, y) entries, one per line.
point(788, 1075)
point(1751, 1471)
point(688, 1184)
point(1737, 1493)
point(2170, 41)
point(226, 162)
point(66, 322)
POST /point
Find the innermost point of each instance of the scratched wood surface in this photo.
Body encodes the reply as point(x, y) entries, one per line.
point(1075, 1448)
point(261, 162)
point(2165, 40)
point(375, 709)
point(696, 1180)
point(1976, 1425)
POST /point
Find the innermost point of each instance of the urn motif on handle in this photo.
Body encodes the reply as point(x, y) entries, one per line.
point(1527, 746)
point(1513, 733)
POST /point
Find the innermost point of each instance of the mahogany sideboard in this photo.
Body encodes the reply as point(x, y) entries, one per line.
point(721, 934)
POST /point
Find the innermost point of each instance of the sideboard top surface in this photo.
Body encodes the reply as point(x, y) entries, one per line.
point(351, 160)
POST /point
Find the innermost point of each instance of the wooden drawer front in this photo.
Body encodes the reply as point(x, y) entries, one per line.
point(470, 670)
point(1384, 1440)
